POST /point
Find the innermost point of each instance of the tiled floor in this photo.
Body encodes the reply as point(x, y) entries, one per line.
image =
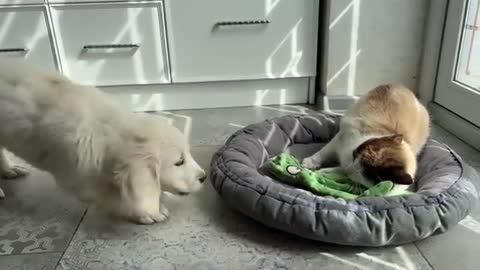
point(44, 228)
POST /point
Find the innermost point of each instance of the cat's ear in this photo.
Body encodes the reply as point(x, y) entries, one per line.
point(398, 138)
point(355, 153)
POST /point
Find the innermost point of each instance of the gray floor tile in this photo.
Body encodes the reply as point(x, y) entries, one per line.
point(215, 126)
point(42, 261)
point(36, 216)
point(458, 248)
point(203, 233)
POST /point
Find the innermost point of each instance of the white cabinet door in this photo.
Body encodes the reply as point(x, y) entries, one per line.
point(112, 43)
point(24, 33)
point(249, 39)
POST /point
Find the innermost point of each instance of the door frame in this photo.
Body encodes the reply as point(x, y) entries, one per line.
point(434, 33)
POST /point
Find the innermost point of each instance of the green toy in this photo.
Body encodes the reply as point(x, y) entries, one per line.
point(329, 181)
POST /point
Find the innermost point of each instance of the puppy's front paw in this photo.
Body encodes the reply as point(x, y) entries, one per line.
point(144, 220)
point(148, 219)
point(164, 213)
point(2, 195)
point(13, 172)
point(310, 163)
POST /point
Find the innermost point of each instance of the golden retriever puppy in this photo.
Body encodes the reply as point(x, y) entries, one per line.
point(114, 159)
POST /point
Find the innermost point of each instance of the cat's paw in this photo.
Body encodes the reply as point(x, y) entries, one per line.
point(310, 163)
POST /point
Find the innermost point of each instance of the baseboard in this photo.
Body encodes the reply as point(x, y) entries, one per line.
point(461, 128)
point(180, 96)
point(338, 103)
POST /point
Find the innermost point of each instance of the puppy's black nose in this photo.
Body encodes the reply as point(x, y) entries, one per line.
point(203, 178)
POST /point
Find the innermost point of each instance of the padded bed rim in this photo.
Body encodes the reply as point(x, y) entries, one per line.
point(443, 209)
point(432, 200)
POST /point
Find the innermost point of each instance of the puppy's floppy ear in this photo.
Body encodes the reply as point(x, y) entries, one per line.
point(399, 176)
point(138, 191)
point(136, 176)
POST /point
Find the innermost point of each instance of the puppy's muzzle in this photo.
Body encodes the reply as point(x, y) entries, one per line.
point(202, 178)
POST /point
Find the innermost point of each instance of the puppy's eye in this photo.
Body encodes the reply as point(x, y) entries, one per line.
point(180, 162)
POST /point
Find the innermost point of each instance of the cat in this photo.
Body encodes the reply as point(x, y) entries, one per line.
point(380, 138)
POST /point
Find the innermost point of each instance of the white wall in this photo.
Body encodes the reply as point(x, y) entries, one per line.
point(371, 42)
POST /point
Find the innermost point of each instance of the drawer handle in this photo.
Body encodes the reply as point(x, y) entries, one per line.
point(111, 46)
point(252, 22)
point(13, 50)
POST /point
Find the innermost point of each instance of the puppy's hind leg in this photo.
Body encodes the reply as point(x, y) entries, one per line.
point(8, 170)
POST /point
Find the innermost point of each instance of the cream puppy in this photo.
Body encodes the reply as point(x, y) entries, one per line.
point(114, 159)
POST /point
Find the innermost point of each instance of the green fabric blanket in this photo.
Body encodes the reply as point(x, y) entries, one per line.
point(329, 181)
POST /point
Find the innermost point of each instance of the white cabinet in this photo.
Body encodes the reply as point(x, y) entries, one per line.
point(24, 33)
point(213, 40)
point(112, 44)
point(172, 54)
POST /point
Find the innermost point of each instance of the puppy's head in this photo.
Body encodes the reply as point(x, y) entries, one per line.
point(153, 157)
point(163, 151)
point(385, 158)
point(180, 174)
point(174, 167)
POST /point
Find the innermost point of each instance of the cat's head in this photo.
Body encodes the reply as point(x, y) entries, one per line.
point(385, 158)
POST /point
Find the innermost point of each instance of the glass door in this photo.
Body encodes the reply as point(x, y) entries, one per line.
point(458, 81)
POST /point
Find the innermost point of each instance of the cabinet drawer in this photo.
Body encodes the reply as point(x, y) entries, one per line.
point(20, 2)
point(24, 33)
point(273, 39)
point(112, 44)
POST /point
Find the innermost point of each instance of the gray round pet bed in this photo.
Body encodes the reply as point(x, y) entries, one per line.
point(445, 190)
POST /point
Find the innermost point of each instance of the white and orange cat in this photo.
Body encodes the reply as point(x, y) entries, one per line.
point(379, 139)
